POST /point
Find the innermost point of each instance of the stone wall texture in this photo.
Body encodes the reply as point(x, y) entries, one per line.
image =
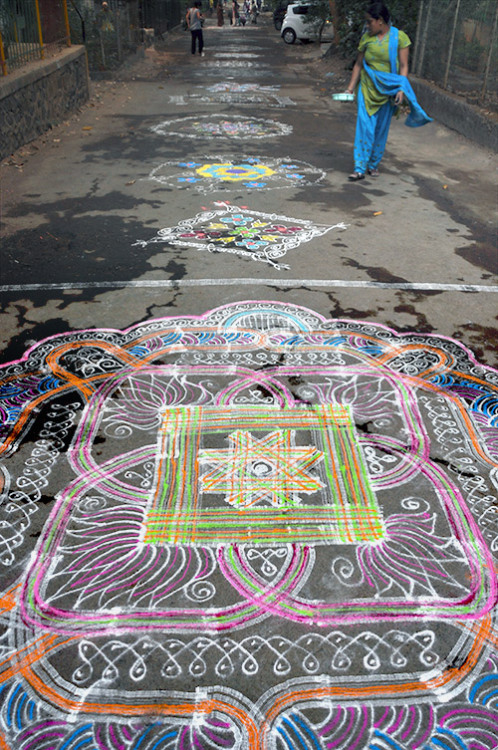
point(40, 96)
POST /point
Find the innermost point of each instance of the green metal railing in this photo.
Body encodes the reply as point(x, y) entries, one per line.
point(31, 30)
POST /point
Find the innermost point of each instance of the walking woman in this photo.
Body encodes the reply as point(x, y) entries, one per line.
point(381, 69)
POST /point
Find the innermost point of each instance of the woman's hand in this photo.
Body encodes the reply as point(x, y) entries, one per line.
point(399, 99)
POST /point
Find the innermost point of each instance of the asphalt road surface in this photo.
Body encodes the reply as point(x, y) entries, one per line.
point(181, 263)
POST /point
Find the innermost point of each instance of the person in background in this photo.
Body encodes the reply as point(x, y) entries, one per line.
point(104, 18)
point(381, 69)
point(235, 13)
point(219, 13)
point(194, 22)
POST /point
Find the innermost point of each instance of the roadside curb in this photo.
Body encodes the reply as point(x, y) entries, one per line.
point(457, 114)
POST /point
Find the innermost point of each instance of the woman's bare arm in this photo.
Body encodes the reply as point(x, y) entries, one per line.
point(356, 72)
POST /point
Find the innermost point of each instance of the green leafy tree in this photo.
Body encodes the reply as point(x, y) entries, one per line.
point(351, 15)
point(348, 17)
point(319, 13)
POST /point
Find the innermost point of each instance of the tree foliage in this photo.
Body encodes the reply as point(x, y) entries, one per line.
point(351, 15)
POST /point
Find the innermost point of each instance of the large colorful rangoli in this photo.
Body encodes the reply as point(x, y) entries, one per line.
point(254, 528)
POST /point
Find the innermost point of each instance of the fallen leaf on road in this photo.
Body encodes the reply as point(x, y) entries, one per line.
point(377, 213)
point(445, 187)
point(131, 182)
point(87, 127)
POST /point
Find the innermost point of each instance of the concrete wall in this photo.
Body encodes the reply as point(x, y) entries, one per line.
point(456, 113)
point(40, 95)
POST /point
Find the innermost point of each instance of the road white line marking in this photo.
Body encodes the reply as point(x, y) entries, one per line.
point(284, 284)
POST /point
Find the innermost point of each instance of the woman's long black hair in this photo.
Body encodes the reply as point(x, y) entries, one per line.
point(379, 10)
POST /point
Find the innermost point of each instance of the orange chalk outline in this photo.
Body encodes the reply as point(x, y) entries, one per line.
point(257, 736)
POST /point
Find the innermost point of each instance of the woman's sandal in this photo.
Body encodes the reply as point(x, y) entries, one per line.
point(355, 176)
point(373, 172)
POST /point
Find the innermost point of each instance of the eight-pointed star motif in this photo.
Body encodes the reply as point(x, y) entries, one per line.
point(271, 469)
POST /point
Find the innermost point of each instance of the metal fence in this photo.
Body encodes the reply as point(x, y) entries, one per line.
point(109, 30)
point(35, 29)
point(456, 47)
point(31, 30)
point(162, 15)
point(113, 28)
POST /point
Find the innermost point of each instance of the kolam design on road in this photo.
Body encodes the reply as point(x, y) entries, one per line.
point(220, 126)
point(232, 92)
point(235, 63)
point(275, 530)
point(233, 87)
point(253, 234)
point(234, 54)
point(232, 173)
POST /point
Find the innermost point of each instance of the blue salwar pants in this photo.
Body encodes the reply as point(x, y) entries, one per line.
point(371, 135)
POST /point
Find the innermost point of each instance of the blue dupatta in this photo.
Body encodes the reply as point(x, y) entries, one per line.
point(390, 83)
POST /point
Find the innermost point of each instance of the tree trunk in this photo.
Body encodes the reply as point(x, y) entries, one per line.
point(335, 21)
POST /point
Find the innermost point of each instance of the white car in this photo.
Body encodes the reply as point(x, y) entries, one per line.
point(296, 25)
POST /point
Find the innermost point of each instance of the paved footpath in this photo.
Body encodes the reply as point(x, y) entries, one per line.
point(249, 420)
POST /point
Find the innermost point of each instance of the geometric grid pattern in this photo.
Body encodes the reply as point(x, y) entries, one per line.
point(254, 471)
point(255, 486)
